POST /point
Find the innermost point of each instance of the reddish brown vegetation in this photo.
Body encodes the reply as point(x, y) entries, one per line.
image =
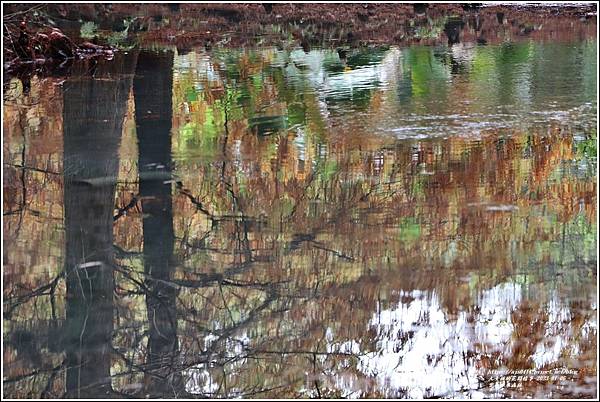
point(189, 25)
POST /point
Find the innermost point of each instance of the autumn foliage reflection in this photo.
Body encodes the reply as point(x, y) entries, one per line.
point(314, 253)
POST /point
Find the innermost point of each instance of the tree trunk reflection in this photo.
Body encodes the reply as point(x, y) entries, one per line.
point(93, 122)
point(153, 112)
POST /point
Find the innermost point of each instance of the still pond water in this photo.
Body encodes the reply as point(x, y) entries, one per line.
point(390, 222)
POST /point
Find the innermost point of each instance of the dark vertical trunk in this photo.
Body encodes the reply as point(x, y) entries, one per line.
point(452, 30)
point(94, 109)
point(153, 114)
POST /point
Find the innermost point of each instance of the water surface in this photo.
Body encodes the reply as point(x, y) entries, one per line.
point(392, 222)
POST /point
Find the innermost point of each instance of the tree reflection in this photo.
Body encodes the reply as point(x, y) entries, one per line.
point(290, 246)
point(152, 91)
point(92, 133)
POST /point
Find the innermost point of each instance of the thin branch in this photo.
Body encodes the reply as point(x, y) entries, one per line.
point(17, 166)
point(17, 13)
point(123, 211)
